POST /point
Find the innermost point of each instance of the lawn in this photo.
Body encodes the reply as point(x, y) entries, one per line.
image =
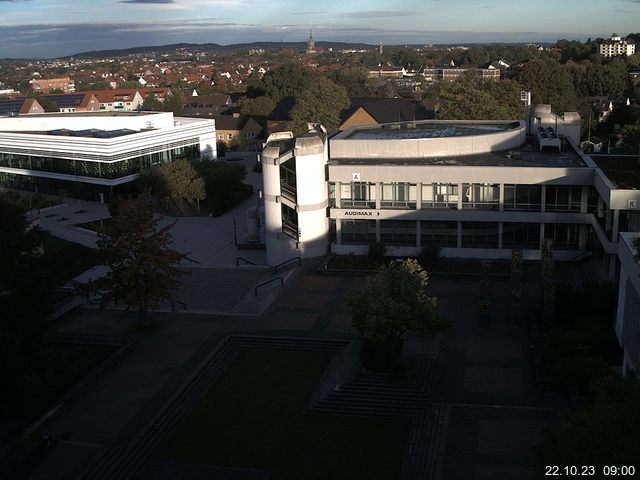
point(66, 260)
point(253, 417)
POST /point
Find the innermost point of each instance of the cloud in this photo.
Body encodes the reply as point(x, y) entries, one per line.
point(147, 1)
point(379, 14)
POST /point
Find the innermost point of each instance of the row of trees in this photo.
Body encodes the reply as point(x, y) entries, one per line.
point(317, 98)
point(188, 182)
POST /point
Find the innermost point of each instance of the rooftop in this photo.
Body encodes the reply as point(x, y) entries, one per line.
point(393, 131)
point(526, 155)
point(622, 170)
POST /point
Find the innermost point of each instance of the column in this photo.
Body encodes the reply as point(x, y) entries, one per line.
point(418, 196)
point(459, 234)
point(501, 200)
point(614, 227)
point(378, 199)
point(338, 231)
point(543, 198)
point(500, 235)
point(338, 190)
point(584, 199)
point(460, 195)
point(418, 236)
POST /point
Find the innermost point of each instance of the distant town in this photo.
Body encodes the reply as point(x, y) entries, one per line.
point(321, 260)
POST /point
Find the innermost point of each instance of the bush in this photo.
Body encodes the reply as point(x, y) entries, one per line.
point(430, 255)
point(377, 251)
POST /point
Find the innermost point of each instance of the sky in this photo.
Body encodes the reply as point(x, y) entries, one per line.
point(53, 28)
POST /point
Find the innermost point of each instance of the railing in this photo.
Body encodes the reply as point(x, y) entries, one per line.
point(241, 259)
point(287, 262)
point(255, 290)
point(348, 203)
point(192, 260)
point(182, 304)
point(289, 192)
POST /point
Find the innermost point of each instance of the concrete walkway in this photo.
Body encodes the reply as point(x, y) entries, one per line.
point(209, 241)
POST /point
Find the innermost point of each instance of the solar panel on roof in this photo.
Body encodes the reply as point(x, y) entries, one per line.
point(10, 106)
point(66, 101)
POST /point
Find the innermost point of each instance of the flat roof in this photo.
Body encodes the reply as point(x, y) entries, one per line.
point(526, 155)
point(622, 170)
point(428, 130)
point(97, 113)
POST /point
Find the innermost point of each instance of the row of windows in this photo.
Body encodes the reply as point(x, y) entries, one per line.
point(473, 196)
point(105, 170)
point(472, 234)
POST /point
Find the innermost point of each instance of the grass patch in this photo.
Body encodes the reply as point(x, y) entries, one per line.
point(253, 417)
point(66, 260)
point(94, 225)
point(47, 372)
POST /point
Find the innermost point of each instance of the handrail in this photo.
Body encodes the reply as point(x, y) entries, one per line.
point(173, 305)
point(286, 262)
point(255, 290)
point(248, 262)
point(191, 260)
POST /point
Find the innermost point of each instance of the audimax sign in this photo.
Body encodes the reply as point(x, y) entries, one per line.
point(360, 213)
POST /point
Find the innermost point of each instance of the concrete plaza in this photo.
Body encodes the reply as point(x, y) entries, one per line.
point(492, 412)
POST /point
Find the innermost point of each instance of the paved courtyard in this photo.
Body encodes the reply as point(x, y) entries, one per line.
point(491, 412)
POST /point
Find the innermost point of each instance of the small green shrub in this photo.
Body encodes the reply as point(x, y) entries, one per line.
point(377, 251)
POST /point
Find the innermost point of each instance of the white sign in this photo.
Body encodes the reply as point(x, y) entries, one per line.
point(633, 204)
point(355, 177)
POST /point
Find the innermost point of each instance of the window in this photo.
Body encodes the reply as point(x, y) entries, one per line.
point(358, 232)
point(229, 136)
point(398, 232)
point(331, 194)
point(479, 235)
point(521, 235)
point(440, 195)
point(565, 236)
point(522, 197)
point(398, 195)
point(481, 196)
point(563, 198)
point(289, 221)
point(358, 194)
point(220, 136)
point(288, 186)
point(442, 234)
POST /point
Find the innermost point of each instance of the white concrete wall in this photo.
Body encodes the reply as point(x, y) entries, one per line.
point(342, 146)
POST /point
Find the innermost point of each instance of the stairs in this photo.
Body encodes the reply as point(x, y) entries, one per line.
point(370, 393)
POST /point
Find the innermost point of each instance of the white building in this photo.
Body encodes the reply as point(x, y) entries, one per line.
point(616, 46)
point(89, 154)
point(475, 189)
point(628, 313)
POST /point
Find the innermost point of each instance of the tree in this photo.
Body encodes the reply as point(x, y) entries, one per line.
point(355, 79)
point(25, 285)
point(182, 181)
point(392, 304)
point(289, 80)
point(606, 431)
point(222, 182)
point(549, 82)
point(173, 103)
point(321, 103)
point(151, 104)
point(143, 269)
point(473, 98)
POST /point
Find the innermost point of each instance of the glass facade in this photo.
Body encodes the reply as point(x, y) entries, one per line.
point(565, 236)
point(442, 234)
point(358, 232)
point(358, 194)
point(521, 235)
point(97, 169)
point(440, 195)
point(288, 185)
point(480, 235)
point(289, 221)
point(398, 195)
point(398, 232)
point(563, 198)
point(522, 197)
point(481, 196)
